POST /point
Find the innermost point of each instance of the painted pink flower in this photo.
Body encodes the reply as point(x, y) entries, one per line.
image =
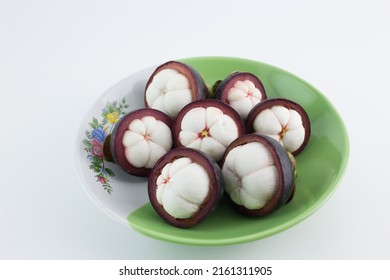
point(102, 179)
point(97, 148)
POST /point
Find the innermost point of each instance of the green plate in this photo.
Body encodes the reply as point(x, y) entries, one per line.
point(320, 166)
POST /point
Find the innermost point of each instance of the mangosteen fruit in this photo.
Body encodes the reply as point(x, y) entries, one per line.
point(172, 86)
point(258, 174)
point(242, 91)
point(282, 119)
point(139, 139)
point(185, 187)
point(207, 125)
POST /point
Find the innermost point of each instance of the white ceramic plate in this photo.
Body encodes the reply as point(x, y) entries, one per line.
point(124, 197)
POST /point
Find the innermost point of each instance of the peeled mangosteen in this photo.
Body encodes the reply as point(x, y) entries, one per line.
point(172, 86)
point(242, 91)
point(139, 139)
point(185, 187)
point(258, 174)
point(282, 119)
point(207, 125)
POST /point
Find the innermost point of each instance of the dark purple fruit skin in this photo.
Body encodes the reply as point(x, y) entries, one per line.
point(226, 109)
point(118, 150)
point(289, 104)
point(285, 170)
point(216, 186)
point(197, 85)
point(223, 88)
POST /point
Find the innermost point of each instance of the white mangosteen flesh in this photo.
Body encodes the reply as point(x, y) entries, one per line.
point(182, 187)
point(243, 96)
point(250, 174)
point(169, 92)
point(208, 130)
point(146, 140)
point(283, 124)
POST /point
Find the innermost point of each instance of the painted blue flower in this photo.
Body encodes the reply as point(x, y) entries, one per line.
point(99, 134)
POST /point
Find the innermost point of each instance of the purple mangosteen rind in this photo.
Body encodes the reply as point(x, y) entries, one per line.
point(284, 167)
point(216, 186)
point(117, 150)
point(225, 108)
point(287, 103)
point(292, 194)
point(198, 87)
point(222, 89)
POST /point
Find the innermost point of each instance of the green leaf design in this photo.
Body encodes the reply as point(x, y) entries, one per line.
point(110, 108)
point(88, 134)
point(93, 168)
point(110, 172)
point(87, 143)
point(108, 188)
point(97, 165)
point(94, 124)
point(97, 159)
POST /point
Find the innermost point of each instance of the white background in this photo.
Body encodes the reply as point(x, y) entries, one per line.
point(58, 57)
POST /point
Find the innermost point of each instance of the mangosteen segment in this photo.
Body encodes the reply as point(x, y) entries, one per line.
point(283, 120)
point(209, 126)
point(168, 92)
point(282, 124)
point(139, 139)
point(172, 86)
point(258, 174)
point(185, 187)
point(251, 177)
point(145, 141)
point(242, 91)
point(182, 188)
point(208, 129)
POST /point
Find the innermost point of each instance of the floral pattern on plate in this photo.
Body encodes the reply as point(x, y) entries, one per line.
point(95, 137)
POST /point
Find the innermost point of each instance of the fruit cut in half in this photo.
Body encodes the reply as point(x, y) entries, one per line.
point(172, 86)
point(282, 119)
point(258, 174)
point(185, 187)
point(242, 91)
point(207, 125)
point(139, 139)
